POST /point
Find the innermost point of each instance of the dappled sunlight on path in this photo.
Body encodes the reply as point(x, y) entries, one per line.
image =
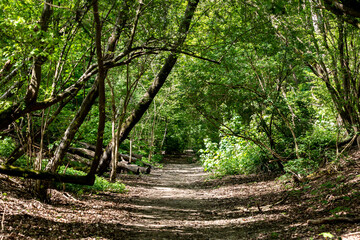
point(181, 196)
point(179, 201)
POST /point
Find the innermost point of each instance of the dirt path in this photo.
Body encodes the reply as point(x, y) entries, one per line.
point(181, 202)
point(176, 201)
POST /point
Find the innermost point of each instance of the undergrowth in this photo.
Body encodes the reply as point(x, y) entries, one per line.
point(101, 184)
point(233, 155)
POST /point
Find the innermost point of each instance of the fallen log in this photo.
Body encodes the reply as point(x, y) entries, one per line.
point(123, 165)
point(138, 156)
point(42, 175)
point(82, 152)
point(91, 149)
point(127, 157)
point(133, 159)
point(77, 158)
point(88, 153)
point(88, 146)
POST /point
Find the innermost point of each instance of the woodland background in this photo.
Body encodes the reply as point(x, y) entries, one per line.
point(251, 86)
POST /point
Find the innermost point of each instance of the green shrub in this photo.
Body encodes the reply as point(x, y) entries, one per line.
point(156, 158)
point(155, 161)
point(315, 148)
point(23, 162)
point(317, 144)
point(7, 145)
point(301, 166)
point(231, 156)
point(100, 184)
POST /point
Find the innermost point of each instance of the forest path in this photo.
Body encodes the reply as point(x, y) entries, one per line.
point(180, 201)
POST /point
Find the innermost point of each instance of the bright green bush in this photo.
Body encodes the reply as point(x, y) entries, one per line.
point(100, 184)
point(231, 156)
point(7, 145)
point(315, 148)
point(301, 166)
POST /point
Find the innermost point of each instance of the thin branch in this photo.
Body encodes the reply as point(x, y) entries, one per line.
point(56, 6)
point(136, 21)
point(177, 51)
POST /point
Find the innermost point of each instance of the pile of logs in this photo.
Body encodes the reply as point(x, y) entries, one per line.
point(87, 153)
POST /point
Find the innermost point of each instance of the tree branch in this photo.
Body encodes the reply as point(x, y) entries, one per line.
point(177, 51)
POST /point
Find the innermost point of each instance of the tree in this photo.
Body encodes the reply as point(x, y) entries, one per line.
point(138, 43)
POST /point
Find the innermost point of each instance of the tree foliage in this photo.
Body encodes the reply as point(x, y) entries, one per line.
point(258, 85)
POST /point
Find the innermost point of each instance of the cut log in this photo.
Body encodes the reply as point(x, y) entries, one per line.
point(123, 165)
point(134, 159)
point(77, 158)
point(126, 157)
point(83, 152)
point(88, 146)
point(138, 156)
point(88, 153)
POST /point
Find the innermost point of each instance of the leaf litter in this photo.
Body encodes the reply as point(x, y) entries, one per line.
point(182, 201)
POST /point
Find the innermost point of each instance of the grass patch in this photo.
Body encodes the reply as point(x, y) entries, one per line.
point(100, 185)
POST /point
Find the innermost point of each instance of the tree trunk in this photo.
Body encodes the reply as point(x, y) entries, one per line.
point(40, 187)
point(165, 133)
point(114, 154)
point(5, 70)
point(152, 133)
point(82, 152)
point(130, 154)
point(73, 127)
point(101, 79)
point(38, 61)
point(42, 175)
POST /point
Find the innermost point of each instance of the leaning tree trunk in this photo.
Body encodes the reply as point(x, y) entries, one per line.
point(35, 80)
point(73, 127)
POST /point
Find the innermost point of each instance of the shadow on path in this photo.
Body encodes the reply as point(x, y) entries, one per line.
point(178, 201)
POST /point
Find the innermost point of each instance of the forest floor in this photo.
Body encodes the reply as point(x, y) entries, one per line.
point(180, 201)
